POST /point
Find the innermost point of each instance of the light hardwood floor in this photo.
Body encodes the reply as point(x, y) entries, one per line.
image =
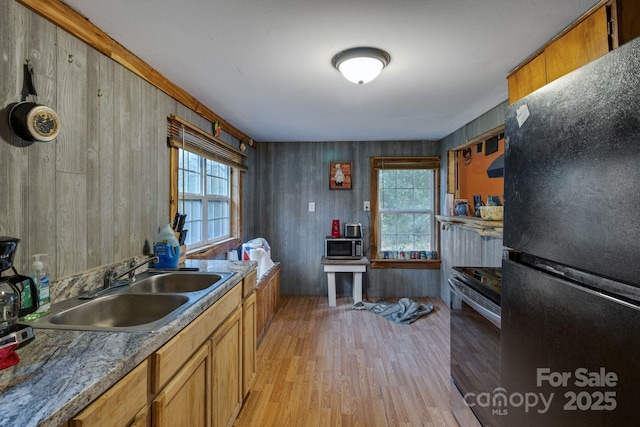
point(333, 366)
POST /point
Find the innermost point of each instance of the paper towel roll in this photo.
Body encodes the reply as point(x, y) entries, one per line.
point(263, 259)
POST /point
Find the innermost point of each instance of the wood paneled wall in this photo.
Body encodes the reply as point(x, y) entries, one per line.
point(94, 195)
point(462, 247)
point(289, 176)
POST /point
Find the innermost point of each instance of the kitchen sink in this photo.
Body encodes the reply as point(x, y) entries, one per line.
point(120, 312)
point(179, 282)
point(145, 305)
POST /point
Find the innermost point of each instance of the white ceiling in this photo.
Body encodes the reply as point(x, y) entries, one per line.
point(265, 65)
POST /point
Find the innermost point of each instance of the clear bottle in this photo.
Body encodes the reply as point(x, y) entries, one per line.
point(41, 279)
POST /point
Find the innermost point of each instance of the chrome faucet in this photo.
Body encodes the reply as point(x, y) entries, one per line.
point(110, 275)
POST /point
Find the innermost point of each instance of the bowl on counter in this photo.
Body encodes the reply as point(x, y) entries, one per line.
point(492, 213)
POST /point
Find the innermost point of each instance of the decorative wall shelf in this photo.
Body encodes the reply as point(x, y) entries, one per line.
point(483, 227)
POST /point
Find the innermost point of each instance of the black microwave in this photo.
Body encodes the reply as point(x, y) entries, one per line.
point(343, 248)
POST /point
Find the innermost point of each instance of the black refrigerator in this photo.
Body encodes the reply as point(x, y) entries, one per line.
point(570, 338)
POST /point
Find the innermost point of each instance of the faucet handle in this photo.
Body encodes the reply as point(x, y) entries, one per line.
point(132, 265)
point(108, 277)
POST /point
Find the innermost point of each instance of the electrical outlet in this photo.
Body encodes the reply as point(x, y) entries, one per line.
point(312, 207)
point(367, 205)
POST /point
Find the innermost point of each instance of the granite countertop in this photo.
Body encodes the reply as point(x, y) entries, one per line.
point(483, 227)
point(62, 371)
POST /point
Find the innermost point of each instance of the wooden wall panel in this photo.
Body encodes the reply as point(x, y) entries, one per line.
point(105, 96)
point(289, 176)
point(71, 89)
point(93, 196)
point(40, 172)
point(93, 156)
point(71, 223)
point(150, 135)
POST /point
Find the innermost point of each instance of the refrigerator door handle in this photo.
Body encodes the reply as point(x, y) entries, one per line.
point(474, 300)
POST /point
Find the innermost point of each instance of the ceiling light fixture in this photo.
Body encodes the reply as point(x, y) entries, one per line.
point(361, 64)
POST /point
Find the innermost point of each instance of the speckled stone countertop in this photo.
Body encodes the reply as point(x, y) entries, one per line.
point(62, 371)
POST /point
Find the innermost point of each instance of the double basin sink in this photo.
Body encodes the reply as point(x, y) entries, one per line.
point(148, 303)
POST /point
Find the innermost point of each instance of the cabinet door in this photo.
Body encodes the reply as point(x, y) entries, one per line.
point(584, 43)
point(129, 396)
point(185, 401)
point(628, 20)
point(167, 360)
point(226, 358)
point(532, 76)
point(248, 343)
point(141, 419)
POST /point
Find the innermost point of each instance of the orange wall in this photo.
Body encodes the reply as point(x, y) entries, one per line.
point(473, 176)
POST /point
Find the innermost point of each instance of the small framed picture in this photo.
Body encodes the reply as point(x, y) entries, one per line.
point(340, 175)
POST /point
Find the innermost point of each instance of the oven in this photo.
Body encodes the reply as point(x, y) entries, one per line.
point(475, 344)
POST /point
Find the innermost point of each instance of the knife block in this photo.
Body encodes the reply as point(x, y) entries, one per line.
point(183, 254)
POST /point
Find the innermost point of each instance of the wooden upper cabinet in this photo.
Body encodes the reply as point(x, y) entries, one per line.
point(606, 26)
point(530, 77)
point(627, 14)
point(585, 42)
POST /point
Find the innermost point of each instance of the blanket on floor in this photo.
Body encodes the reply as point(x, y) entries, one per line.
point(405, 311)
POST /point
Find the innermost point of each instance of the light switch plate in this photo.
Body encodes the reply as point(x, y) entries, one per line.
point(312, 207)
point(367, 205)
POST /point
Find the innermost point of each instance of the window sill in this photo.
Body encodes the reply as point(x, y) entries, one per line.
point(426, 264)
point(213, 251)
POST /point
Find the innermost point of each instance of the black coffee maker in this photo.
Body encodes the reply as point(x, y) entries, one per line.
point(12, 286)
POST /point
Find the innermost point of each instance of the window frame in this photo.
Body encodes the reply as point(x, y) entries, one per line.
point(378, 163)
point(204, 197)
point(176, 126)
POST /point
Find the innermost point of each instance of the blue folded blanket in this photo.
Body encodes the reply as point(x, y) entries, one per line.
point(405, 311)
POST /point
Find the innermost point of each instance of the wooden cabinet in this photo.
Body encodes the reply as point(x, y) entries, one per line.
point(582, 44)
point(226, 358)
point(186, 385)
point(197, 379)
point(530, 77)
point(267, 300)
point(186, 399)
point(167, 360)
point(607, 25)
point(129, 396)
point(249, 335)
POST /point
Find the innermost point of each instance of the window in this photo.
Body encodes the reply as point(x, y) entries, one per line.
point(404, 193)
point(205, 196)
point(205, 185)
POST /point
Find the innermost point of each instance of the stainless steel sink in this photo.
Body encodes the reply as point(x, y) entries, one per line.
point(154, 300)
point(179, 282)
point(120, 312)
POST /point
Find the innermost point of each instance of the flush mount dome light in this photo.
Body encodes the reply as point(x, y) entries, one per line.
point(361, 64)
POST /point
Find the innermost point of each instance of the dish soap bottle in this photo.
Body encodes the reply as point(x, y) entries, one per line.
point(167, 248)
point(41, 279)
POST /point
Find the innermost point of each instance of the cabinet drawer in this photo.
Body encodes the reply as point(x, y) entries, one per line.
point(169, 358)
point(249, 283)
point(118, 406)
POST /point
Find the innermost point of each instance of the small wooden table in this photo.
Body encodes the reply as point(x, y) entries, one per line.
point(355, 266)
